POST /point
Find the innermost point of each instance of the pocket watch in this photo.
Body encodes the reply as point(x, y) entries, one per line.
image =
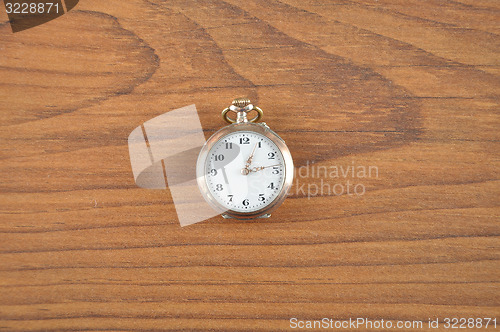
point(245, 169)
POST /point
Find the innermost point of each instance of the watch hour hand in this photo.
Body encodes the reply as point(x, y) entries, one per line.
point(246, 170)
point(249, 160)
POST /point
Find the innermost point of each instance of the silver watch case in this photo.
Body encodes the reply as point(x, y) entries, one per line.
point(260, 128)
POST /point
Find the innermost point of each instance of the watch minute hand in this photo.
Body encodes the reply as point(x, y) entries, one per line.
point(256, 169)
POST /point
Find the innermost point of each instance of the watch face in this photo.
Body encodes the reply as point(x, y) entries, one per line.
point(244, 171)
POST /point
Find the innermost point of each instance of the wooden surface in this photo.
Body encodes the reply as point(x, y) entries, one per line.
point(411, 87)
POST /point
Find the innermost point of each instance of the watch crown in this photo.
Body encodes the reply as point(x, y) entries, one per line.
point(241, 102)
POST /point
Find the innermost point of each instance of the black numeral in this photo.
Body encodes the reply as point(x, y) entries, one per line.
point(230, 198)
point(244, 140)
point(271, 186)
point(261, 198)
point(213, 172)
point(229, 145)
point(260, 144)
point(219, 187)
point(276, 170)
point(271, 155)
point(246, 202)
point(219, 157)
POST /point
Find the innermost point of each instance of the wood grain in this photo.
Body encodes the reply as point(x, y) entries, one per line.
point(410, 87)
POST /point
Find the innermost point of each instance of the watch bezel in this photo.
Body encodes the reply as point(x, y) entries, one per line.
point(252, 127)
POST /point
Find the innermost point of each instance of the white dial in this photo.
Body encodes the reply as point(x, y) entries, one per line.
point(244, 171)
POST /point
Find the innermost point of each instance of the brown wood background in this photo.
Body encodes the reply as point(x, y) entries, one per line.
point(411, 87)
